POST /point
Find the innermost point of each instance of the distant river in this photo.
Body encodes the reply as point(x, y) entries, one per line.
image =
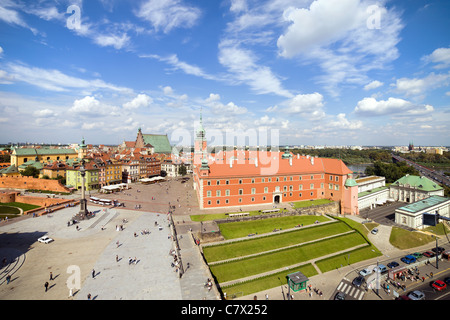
point(359, 168)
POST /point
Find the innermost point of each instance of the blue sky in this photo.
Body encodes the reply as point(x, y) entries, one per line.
point(334, 72)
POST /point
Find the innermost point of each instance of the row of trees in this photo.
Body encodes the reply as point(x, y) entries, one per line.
point(391, 171)
point(349, 156)
point(422, 157)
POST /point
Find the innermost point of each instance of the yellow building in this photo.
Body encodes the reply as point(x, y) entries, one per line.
point(21, 155)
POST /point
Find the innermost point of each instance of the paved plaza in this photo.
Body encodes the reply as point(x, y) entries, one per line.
point(101, 253)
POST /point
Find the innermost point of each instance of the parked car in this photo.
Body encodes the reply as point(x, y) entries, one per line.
point(358, 281)
point(438, 250)
point(416, 295)
point(408, 259)
point(45, 239)
point(429, 254)
point(402, 298)
point(365, 272)
point(374, 231)
point(439, 285)
point(339, 296)
point(381, 268)
point(447, 280)
point(417, 255)
point(393, 264)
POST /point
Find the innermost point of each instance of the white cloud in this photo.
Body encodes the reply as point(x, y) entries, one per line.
point(238, 6)
point(11, 16)
point(44, 113)
point(55, 80)
point(181, 65)
point(335, 34)
point(441, 56)
point(419, 86)
point(168, 91)
point(370, 106)
point(343, 123)
point(168, 14)
point(310, 105)
point(218, 107)
point(373, 85)
point(142, 100)
point(242, 65)
point(265, 120)
point(116, 41)
point(91, 107)
point(93, 125)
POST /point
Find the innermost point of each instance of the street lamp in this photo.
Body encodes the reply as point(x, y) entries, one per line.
point(83, 203)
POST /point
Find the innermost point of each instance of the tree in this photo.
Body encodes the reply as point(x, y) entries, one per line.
point(182, 170)
point(391, 171)
point(30, 171)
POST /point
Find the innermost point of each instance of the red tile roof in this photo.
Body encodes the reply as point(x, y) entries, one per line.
point(254, 163)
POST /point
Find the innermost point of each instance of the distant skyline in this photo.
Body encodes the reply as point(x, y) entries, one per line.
point(323, 72)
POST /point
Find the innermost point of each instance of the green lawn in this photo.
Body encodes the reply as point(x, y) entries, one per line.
point(309, 203)
point(252, 246)
point(267, 282)
point(266, 262)
point(217, 216)
point(23, 206)
point(233, 230)
point(404, 239)
point(345, 259)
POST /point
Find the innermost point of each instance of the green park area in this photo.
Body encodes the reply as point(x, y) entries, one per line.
point(11, 209)
point(256, 263)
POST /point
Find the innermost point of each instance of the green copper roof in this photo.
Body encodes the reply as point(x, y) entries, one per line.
point(160, 142)
point(424, 204)
point(10, 169)
point(41, 151)
point(421, 183)
point(350, 182)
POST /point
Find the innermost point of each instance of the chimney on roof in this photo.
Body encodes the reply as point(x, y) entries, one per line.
point(290, 161)
point(256, 161)
point(312, 160)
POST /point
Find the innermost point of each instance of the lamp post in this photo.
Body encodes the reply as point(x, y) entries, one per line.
point(83, 203)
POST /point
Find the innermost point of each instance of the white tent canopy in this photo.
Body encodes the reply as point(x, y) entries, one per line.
point(154, 179)
point(115, 187)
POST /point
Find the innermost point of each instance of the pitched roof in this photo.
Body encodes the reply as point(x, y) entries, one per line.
point(160, 142)
point(261, 163)
point(41, 151)
point(419, 182)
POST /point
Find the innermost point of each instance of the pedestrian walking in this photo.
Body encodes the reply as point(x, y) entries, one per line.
point(117, 258)
point(89, 296)
point(46, 286)
point(93, 273)
point(51, 276)
point(8, 278)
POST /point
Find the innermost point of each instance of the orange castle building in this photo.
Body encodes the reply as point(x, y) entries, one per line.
point(242, 178)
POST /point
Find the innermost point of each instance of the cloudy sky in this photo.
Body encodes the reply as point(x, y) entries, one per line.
point(334, 72)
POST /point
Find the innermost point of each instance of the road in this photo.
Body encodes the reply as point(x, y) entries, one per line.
point(434, 175)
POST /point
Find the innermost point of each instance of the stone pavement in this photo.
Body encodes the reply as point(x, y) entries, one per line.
point(91, 248)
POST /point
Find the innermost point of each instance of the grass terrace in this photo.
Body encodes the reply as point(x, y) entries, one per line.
point(284, 258)
point(233, 230)
point(272, 242)
point(253, 264)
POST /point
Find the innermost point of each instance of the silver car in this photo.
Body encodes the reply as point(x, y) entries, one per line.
point(416, 295)
point(45, 239)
